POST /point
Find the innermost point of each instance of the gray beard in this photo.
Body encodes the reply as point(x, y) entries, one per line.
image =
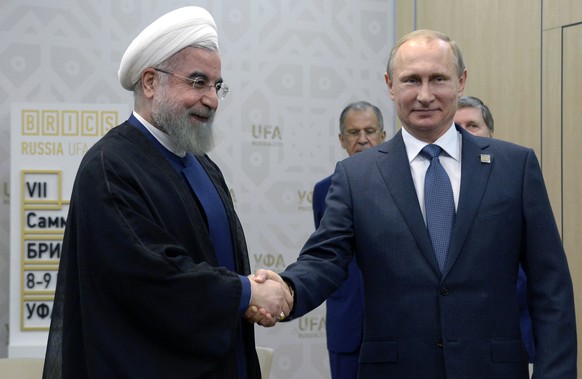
point(175, 121)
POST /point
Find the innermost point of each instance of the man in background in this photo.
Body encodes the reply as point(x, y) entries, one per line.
point(361, 127)
point(154, 274)
point(475, 117)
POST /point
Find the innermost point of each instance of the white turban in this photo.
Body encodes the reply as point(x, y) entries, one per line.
point(163, 38)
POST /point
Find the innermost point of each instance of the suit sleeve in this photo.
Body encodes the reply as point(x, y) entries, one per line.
point(322, 265)
point(549, 286)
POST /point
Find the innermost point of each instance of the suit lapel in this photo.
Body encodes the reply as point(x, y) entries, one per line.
point(395, 170)
point(474, 177)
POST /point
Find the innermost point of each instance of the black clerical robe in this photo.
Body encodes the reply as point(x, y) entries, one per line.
point(140, 293)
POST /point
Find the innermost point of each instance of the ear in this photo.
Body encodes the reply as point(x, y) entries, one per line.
point(383, 134)
point(149, 79)
point(462, 82)
point(389, 84)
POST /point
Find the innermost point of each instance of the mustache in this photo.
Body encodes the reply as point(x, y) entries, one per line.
point(204, 113)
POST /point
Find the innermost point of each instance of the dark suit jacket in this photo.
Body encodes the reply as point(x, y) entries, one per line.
point(139, 286)
point(524, 317)
point(344, 308)
point(419, 322)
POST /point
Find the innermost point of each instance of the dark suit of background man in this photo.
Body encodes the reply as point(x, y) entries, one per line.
point(474, 116)
point(153, 274)
point(455, 316)
point(361, 127)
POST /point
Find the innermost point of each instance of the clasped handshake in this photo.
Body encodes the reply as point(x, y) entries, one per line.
point(271, 298)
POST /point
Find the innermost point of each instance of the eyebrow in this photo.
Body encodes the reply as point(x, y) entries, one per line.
point(415, 75)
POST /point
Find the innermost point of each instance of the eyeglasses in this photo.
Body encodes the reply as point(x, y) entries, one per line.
point(201, 84)
point(355, 133)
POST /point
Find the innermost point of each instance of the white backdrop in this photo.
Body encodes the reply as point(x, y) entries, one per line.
point(292, 65)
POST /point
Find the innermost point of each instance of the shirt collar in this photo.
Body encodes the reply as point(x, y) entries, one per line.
point(162, 137)
point(449, 142)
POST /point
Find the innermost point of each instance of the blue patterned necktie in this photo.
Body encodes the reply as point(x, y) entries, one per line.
point(439, 204)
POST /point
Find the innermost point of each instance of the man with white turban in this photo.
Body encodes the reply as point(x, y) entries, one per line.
point(154, 273)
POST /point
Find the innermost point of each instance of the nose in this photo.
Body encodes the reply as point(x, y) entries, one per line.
point(210, 99)
point(425, 94)
point(362, 137)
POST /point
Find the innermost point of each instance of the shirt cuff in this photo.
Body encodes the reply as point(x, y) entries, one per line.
point(245, 298)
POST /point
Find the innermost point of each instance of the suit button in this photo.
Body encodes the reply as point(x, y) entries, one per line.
point(444, 291)
point(439, 343)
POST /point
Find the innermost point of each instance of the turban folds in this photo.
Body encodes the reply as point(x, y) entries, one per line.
point(163, 38)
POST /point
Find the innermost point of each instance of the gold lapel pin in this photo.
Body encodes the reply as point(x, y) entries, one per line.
point(485, 158)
